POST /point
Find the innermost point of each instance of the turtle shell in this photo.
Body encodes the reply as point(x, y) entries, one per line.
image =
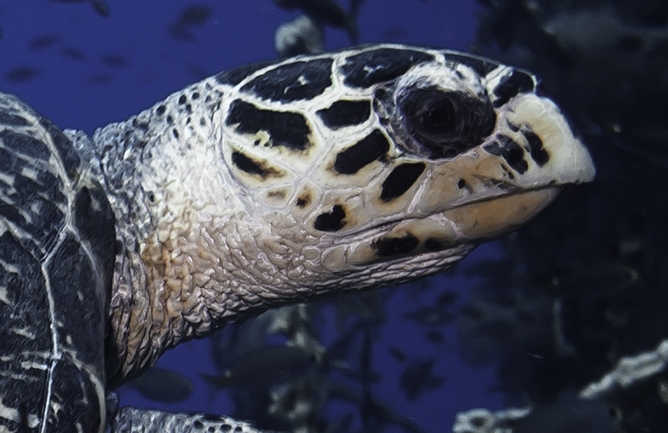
point(56, 260)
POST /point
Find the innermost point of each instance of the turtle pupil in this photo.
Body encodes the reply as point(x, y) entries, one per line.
point(443, 123)
point(438, 117)
point(431, 114)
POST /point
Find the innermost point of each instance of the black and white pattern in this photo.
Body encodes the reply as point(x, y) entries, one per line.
point(56, 257)
point(263, 185)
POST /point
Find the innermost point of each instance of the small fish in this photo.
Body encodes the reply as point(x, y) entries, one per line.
point(493, 272)
point(417, 377)
point(299, 36)
point(394, 33)
point(180, 33)
point(163, 385)
point(264, 368)
point(434, 337)
point(355, 8)
point(569, 414)
point(431, 316)
point(43, 42)
point(73, 53)
point(114, 60)
point(191, 16)
point(325, 12)
point(194, 15)
point(21, 74)
point(368, 306)
point(398, 354)
point(100, 7)
point(446, 299)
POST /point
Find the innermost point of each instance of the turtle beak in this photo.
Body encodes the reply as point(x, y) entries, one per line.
point(551, 157)
point(509, 178)
point(492, 218)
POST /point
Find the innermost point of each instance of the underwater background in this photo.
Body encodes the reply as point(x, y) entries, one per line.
point(529, 320)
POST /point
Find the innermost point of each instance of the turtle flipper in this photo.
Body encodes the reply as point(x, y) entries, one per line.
point(131, 420)
point(56, 258)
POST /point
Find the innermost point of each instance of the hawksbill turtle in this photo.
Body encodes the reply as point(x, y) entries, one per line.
point(263, 185)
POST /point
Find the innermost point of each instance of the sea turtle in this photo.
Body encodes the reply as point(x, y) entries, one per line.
point(263, 185)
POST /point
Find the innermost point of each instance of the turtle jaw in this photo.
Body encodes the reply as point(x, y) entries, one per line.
point(489, 219)
point(441, 236)
point(482, 194)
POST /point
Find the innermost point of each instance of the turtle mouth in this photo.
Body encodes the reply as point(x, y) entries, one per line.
point(487, 217)
point(442, 232)
point(495, 216)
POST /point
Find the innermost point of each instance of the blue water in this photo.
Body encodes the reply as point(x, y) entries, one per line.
point(96, 70)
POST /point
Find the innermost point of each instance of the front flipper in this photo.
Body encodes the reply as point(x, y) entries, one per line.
point(131, 420)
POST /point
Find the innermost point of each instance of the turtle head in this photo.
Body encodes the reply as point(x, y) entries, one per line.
point(279, 181)
point(365, 167)
point(410, 158)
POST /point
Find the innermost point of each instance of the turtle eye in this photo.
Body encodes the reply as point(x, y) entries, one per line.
point(445, 122)
point(431, 115)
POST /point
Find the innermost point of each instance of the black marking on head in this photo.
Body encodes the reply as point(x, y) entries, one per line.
point(143, 126)
point(196, 95)
point(296, 81)
point(237, 75)
point(160, 110)
point(432, 244)
point(386, 247)
point(371, 148)
point(277, 194)
point(381, 64)
point(508, 172)
point(284, 128)
point(304, 199)
point(538, 152)
point(480, 66)
point(251, 166)
point(512, 152)
point(331, 221)
point(182, 99)
point(400, 180)
point(512, 85)
point(345, 113)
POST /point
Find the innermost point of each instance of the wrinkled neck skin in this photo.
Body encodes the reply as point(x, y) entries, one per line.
point(194, 250)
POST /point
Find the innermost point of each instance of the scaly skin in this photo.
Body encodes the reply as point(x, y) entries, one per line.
point(225, 208)
point(263, 185)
